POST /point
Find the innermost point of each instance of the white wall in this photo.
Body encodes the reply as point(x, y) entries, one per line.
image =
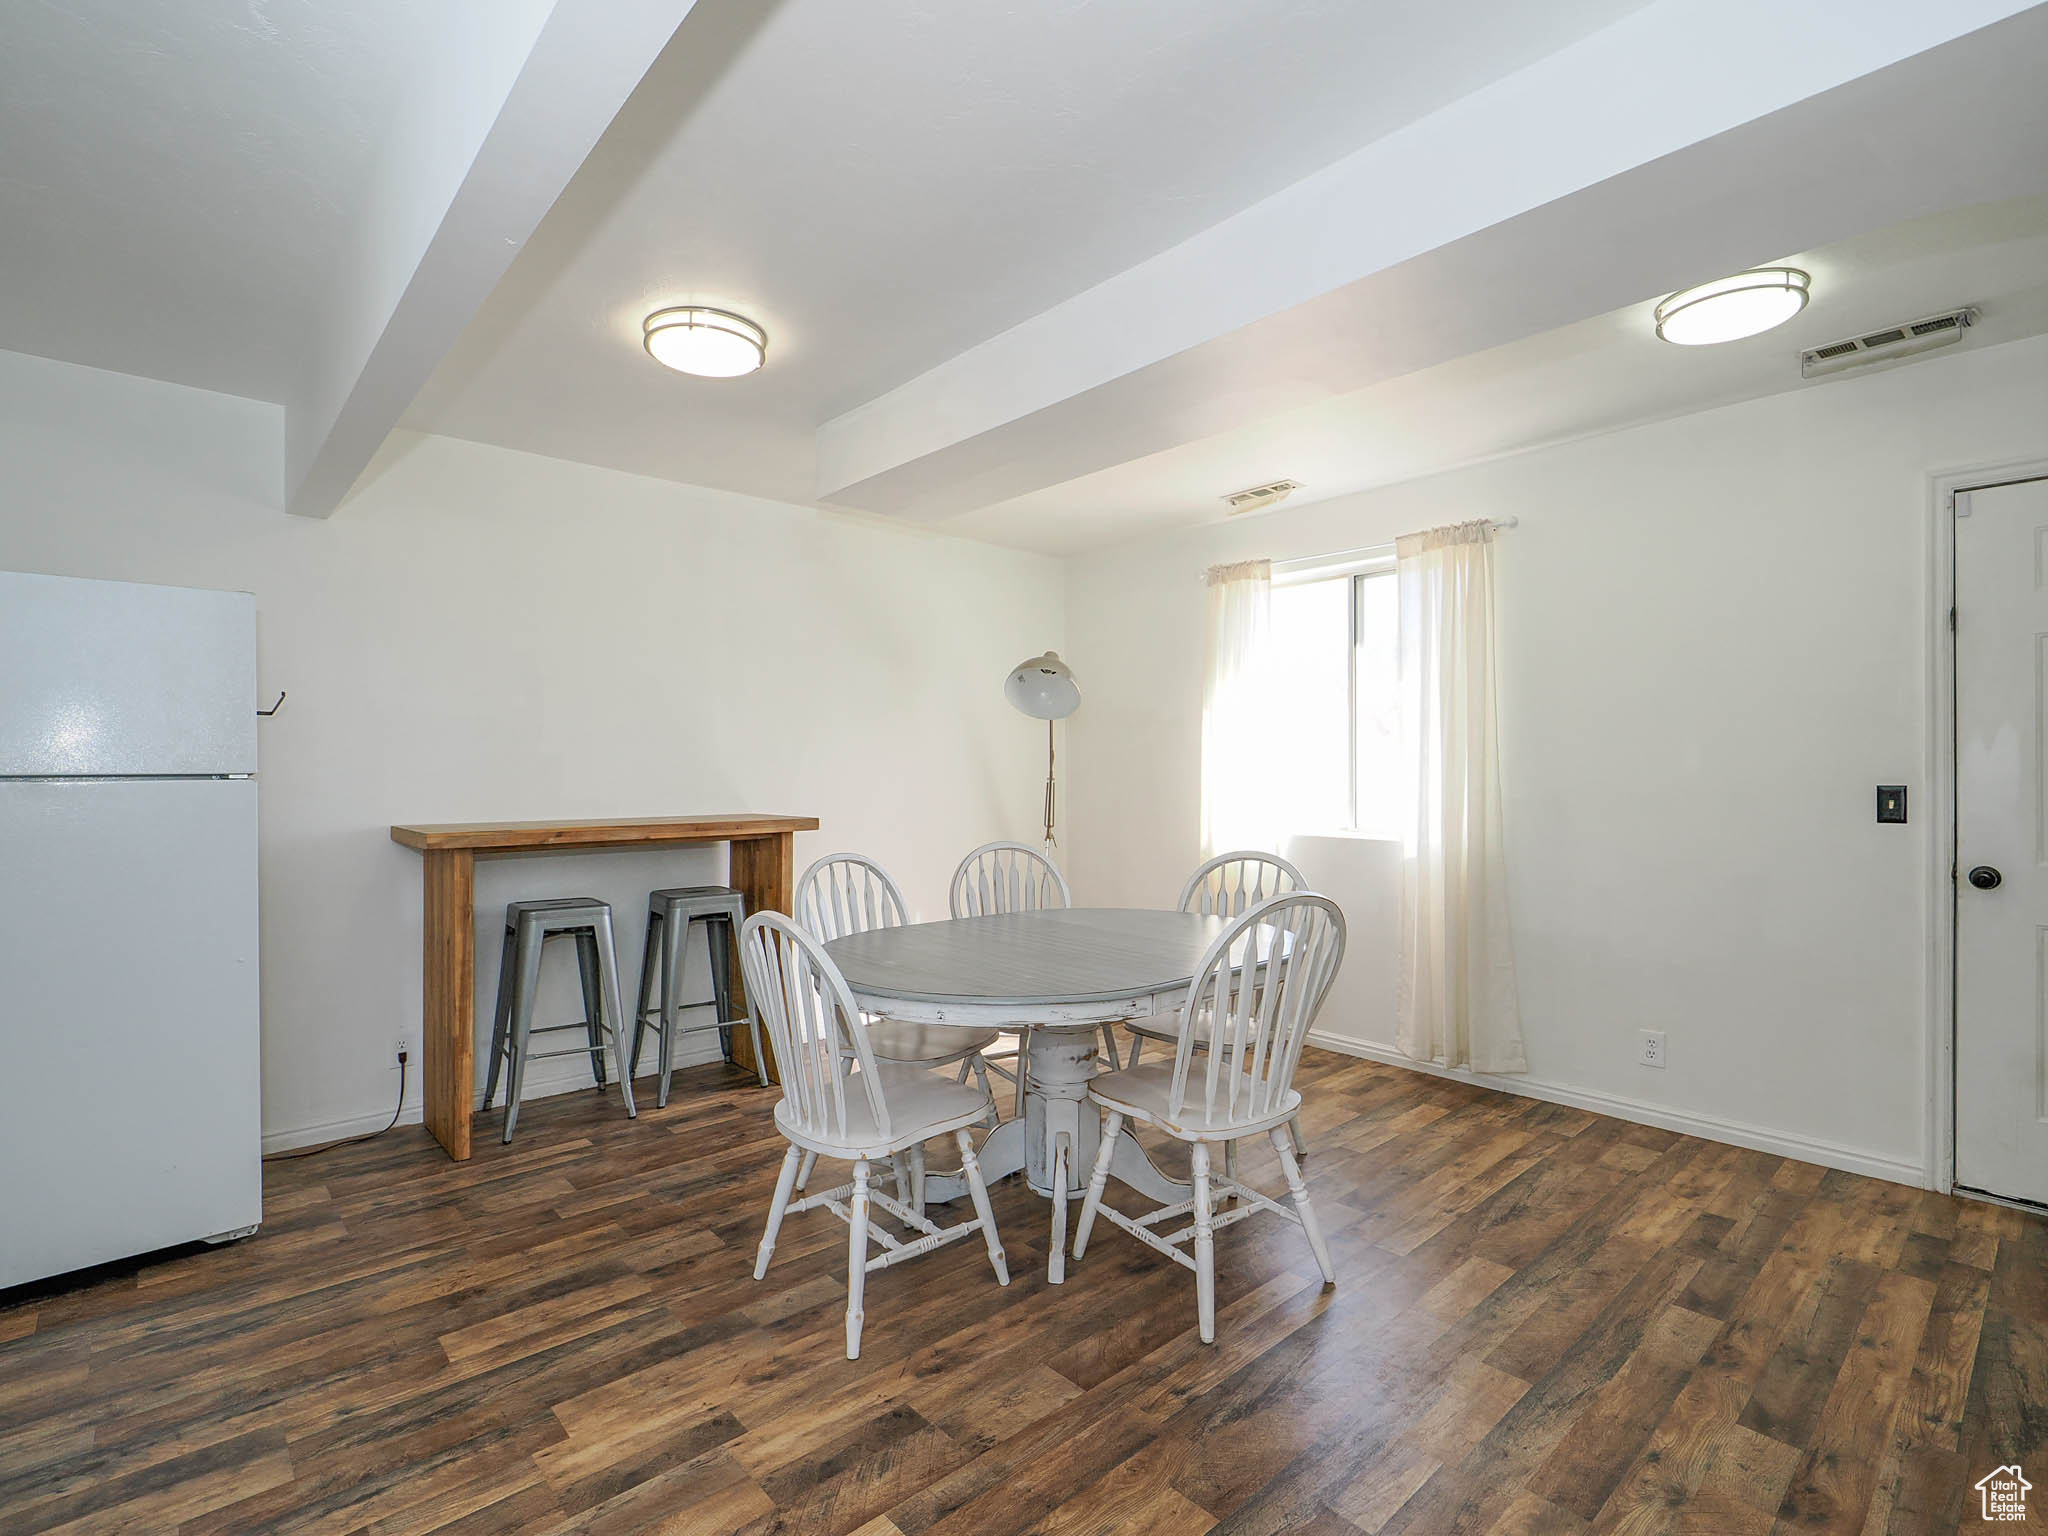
point(480, 634)
point(1714, 642)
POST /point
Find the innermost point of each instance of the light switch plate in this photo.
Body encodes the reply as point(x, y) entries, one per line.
point(1891, 802)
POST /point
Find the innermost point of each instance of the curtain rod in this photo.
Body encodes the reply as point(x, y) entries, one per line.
point(1371, 551)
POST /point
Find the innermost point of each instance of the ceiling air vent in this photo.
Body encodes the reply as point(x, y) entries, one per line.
point(1259, 497)
point(1882, 346)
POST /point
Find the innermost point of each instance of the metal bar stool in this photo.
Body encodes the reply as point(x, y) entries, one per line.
point(670, 915)
point(528, 927)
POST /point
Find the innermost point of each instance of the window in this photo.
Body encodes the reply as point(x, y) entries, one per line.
point(1337, 717)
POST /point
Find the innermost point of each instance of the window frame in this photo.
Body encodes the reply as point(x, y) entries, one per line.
point(1355, 567)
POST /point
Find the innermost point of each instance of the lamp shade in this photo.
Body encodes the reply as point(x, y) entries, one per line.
point(1043, 688)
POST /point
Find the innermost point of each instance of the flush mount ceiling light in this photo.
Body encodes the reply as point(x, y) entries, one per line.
point(711, 343)
point(1733, 307)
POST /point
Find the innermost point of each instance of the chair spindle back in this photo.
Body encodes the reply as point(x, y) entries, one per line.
point(1006, 877)
point(820, 1039)
point(848, 893)
point(1258, 989)
point(1231, 884)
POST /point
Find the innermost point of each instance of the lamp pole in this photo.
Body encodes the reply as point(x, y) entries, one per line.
point(1050, 840)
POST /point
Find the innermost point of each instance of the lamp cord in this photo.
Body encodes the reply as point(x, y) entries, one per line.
point(348, 1141)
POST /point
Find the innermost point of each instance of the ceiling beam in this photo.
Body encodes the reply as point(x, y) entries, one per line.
point(1364, 270)
point(497, 119)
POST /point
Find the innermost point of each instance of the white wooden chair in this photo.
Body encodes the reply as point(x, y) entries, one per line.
point(846, 893)
point(1015, 877)
point(839, 1101)
point(1255, 995)
point(1228, 885)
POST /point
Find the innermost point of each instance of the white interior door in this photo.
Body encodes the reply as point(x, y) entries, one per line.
point(2001, 571)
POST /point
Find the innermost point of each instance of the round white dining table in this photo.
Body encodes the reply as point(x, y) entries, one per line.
point(1061, 974)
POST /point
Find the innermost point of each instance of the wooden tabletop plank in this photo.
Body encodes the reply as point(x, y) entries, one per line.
point(598, 832)
point(1066, 955)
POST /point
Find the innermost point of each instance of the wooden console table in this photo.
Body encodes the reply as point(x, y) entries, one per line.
point(763, 871)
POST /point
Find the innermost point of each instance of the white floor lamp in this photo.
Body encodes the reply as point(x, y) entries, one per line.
point(1044, 689)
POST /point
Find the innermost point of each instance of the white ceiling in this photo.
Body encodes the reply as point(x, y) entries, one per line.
point(1582, 184)
point(1594, 376)
point(884, 185)
point(1052, 275)
point(176, 176)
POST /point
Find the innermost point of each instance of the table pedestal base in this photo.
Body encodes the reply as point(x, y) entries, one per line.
point(1055, 1143)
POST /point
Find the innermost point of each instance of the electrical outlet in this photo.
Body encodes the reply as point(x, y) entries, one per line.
point(1650, 1047)
point(401, 1046)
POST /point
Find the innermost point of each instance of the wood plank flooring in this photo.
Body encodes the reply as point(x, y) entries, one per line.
point(1548, 1324)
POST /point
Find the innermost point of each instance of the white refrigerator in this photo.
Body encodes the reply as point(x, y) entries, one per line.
point(129, 1066)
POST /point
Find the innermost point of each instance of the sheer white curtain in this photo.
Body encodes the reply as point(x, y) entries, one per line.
point(1237, 808)
point(1455, 1002)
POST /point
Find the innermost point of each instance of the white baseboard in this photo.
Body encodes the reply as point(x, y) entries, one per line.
point(544, 1080)
point(297, 1136)
point(1756, 1138)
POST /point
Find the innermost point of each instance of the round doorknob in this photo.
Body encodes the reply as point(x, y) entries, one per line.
point(1985, 878)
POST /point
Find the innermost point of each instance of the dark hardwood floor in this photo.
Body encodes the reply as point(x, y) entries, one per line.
point(1548, 1323)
